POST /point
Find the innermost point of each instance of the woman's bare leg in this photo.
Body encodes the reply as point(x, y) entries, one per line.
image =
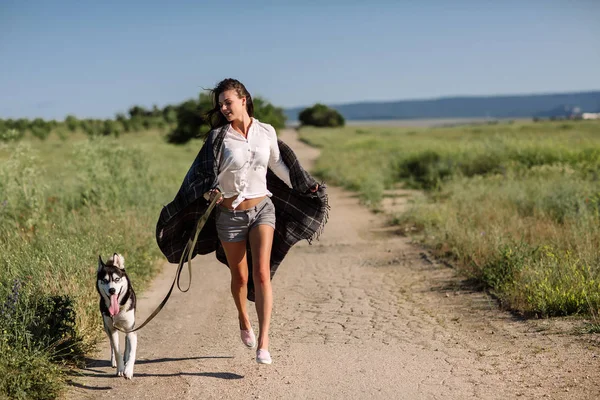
point(261, 241)
point(238, 266)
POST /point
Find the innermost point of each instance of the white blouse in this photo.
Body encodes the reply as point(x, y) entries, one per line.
point(243, 170)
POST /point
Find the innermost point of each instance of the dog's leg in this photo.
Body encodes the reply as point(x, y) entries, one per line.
point(109, 332)
point(127, 350)
point(115, 341)
point(114, 345)
point(130, 349)
point(130, 346)
point(113, 360)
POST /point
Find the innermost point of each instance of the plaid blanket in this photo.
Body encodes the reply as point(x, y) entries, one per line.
point(299, 213)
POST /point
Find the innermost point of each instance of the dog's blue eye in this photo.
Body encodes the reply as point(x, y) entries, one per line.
point(117, 279)
point(105, 281)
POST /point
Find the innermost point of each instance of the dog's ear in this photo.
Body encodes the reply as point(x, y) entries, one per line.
point(100, 263)
point(118, 261)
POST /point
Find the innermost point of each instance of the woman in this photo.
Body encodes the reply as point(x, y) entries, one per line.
point(268, 201)
point(246, 212)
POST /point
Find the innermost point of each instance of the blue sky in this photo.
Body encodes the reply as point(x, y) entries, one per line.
point(97, 58)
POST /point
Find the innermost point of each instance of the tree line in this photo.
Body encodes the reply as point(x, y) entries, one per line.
point(181, 122)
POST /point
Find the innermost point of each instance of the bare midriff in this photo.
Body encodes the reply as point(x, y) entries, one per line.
point(244, 205)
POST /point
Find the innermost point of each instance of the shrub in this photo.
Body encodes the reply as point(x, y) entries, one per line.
point(109, 128)
point(425, 170)
point(40, 128)
point(482, 164)
point(91, 127)
point(170, 114)
point(27, 374)
point(268, 113)
point(191, 123)
point(38, 332)
point(7, 135)
point(72, 123)
point(40, 132)
point(322, 116)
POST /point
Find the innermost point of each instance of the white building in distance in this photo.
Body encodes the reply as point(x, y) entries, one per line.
point(590, 115)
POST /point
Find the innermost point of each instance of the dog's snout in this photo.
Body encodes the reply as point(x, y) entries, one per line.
point(111, 291)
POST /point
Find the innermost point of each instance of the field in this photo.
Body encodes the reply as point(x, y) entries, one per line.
point(63, 203)
point(514, 206)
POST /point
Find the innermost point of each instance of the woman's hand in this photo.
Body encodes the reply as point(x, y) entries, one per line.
point(213, 193)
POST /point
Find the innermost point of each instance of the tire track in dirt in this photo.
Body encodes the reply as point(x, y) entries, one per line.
point(362, 313)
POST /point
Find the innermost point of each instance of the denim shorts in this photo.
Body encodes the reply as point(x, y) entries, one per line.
point(234, 225)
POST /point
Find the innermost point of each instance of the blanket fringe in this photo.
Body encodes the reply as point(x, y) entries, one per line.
point(325, 210)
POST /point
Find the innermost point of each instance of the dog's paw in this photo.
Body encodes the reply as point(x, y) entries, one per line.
point(128, 373)
point(113, 363)
point(120, 370)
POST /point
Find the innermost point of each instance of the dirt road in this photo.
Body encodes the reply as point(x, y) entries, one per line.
point(360, 314)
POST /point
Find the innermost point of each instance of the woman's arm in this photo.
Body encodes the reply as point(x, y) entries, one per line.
point(276, 163)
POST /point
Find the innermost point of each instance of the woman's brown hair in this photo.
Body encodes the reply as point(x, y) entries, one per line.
point(214, 117)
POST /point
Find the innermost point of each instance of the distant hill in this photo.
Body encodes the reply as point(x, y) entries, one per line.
point(516, 106)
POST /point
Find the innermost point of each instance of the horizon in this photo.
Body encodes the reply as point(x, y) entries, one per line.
point(287, 109)
point(97, 60)
point(466, 96)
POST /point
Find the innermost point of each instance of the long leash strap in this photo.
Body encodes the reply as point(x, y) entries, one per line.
point(187, 252)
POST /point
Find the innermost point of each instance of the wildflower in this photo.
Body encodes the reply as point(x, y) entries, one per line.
point(10, 304)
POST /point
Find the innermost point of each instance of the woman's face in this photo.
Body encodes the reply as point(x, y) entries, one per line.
point(231, 106)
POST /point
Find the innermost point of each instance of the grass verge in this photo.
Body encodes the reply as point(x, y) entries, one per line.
point(62, 203)
point(515, 205)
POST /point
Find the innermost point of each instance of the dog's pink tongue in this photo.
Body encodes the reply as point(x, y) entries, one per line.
point(114, 305)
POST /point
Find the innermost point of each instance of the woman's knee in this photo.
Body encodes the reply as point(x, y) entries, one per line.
point(261, 275)
point(239, 280)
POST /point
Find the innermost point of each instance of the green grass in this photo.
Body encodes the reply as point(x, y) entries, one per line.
point(63, 203)
point(515, 206)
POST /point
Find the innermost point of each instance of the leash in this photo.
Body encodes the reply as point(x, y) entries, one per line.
point(187, 252)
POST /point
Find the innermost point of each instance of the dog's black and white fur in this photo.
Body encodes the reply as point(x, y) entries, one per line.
point(117, 305)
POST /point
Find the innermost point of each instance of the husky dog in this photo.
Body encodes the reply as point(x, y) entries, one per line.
point(117, 305)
